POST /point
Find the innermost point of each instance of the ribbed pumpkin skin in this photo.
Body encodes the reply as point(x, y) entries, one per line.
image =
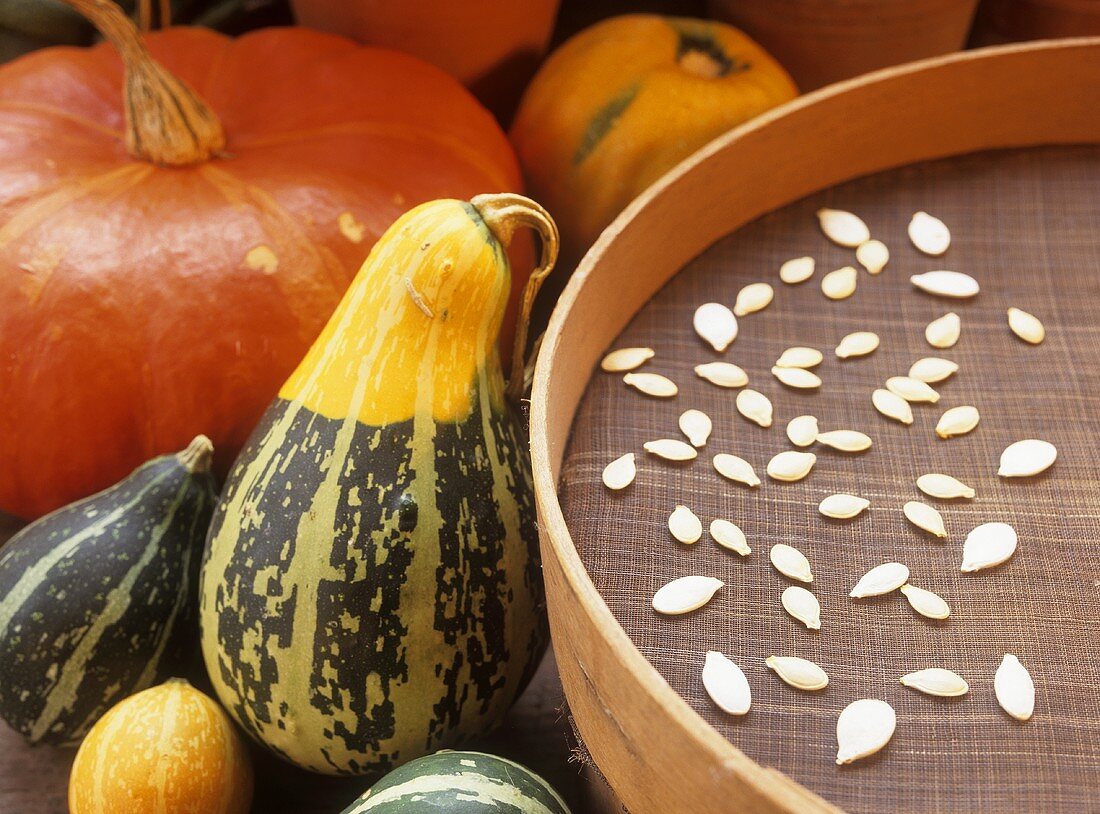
point(167, 750)
point(371, 590)
point(460, 783)
point(98, 599)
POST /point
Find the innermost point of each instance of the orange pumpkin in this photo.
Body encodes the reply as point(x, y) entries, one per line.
point(167, 255)
point(625, 100)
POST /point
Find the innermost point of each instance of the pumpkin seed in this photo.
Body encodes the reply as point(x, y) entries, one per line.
point(944, 487)
point(944, 332)
point(892, 406)
point(799, 357)
point(845, 440)
point(791, 465)
point(926, 603)
point(797, 377)
point(843, 228)
point(952, 284)
point(882, 579)
point(620, 473)
point(957, 421)
point(716, 325)
point(752, 298)
point(735, 469)
point(929, 234)
point(802, 674)
point(842, 506)
point(925, 517)
point(873, 256)
point(790, 562)
point(1026, 326)
point(802, 431)
point(685, 594)
point(726, 684)
point(1026, 458)
point(729, 535)
point(1014, 688)
point(859, 343)
point(802, 605)
point(671, 449)
point(624, 359)
point(863, 728)
point(697, 426)
point(798, 270)
point(936, 681)
point(684, 525)
point(652, 384)
point(932, 369)
point(722, 374)
point(912, 389)
point(839, 284)
point(755, 407)
point(988, 545)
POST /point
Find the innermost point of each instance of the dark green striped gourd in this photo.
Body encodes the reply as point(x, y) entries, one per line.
point(460, 783)
point(97, 599)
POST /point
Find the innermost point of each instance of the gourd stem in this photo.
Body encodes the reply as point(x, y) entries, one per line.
point(167, 123)
point(503, 213)
point(198, 456)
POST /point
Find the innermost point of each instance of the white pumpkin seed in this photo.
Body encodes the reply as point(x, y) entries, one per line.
point(620, 473)
point(944, 332)
point(726, 684)
point(859, 343)
point(1014, 688)
point(932, 369)
point(671, 449)
point(652, 384)
point(716, 325)
point(892, 406)
point(863, 728)
point(735, 469)
point(839, 284)
point(952, 284)
point(843, 228)
point(729, 535)
point(929, 234)
point(988, 545)
point(790, 562)
point(624, 359)
point(944, 487)
point(697, 426)
point(936, 681)
point(799, 356)
point(842, 506)
point(926, 603)
point(957, 421)
point(912, 389)
point(1026, 326)
point(925, 517)
point(802, 431)
point(685, 594)
point(802, 605)
point(722, 374)
point(873, 256)
point(882, 579)
point(755, 406)
point(791, 465)
point(684, 525)
point(802, 674)
point(1026, 458)
point(752, 298)
point(796, 271)
point(797, 377)
point(845, 440)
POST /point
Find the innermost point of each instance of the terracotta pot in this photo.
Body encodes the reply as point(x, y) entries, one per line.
point(824, 41)
point(1006, 20)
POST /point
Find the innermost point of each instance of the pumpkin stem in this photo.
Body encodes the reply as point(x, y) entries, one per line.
point(503, 213)
point(197, 458)
point(166, 122)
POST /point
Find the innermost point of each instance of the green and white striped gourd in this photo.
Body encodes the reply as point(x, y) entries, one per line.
point(97, 599)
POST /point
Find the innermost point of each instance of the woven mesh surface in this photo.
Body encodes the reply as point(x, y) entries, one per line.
point(1027, 225)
